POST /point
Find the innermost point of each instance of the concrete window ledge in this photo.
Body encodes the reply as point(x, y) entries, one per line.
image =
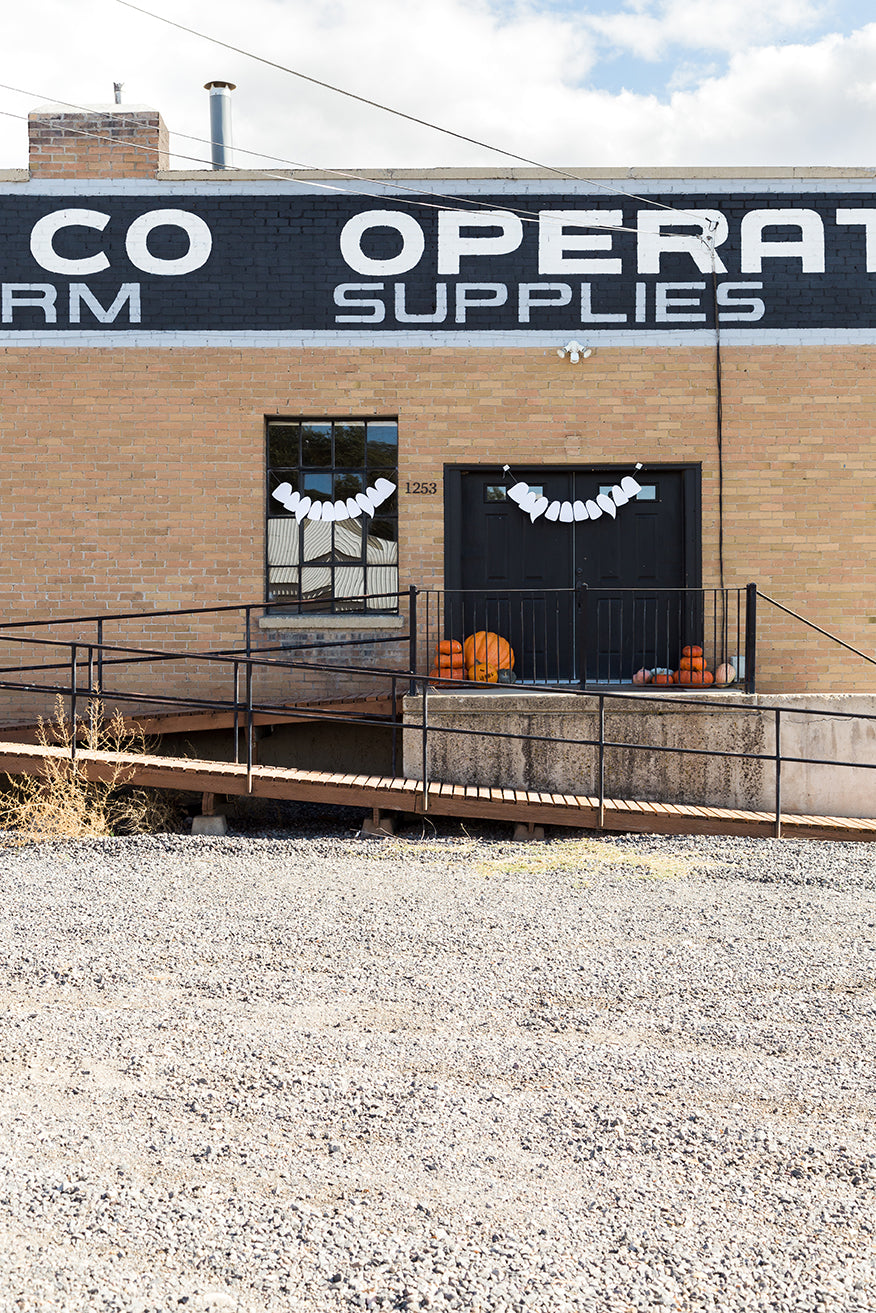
point(312, 623)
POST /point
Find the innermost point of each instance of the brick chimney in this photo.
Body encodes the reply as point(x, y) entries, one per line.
point(103, 141)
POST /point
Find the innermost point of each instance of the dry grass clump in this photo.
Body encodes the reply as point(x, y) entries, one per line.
point(62, 803)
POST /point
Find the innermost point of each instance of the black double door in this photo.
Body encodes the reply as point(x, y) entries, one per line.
point(522, 578)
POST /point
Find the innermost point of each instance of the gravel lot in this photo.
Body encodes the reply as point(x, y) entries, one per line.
point(297, 1071)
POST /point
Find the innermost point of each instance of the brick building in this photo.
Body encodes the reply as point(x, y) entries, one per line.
point(180, 347)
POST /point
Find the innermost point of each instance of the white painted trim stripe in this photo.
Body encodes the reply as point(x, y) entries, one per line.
point(351, 341)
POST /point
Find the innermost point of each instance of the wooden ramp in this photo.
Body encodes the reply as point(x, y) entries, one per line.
point(381, 793)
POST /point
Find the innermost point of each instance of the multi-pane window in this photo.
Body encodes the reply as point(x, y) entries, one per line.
point(332, 510)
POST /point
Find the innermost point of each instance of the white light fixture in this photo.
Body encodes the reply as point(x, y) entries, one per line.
point(574, 350)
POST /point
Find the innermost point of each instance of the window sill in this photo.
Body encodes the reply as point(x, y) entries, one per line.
point(314, 621)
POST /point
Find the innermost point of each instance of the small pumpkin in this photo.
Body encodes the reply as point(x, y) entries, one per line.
point(662, 677)
point(449, 647)
point(725, 675)
point(486, 674)
point(691, 650)
point(692, 663)
point(642, 676)
point(489, 649)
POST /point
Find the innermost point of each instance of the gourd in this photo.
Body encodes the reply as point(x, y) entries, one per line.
point(725, 675)
point(487, 649)
point(662, 677)
point(642, 676)
point(691, 651)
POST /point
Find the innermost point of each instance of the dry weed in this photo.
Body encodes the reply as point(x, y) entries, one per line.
point(62, 803)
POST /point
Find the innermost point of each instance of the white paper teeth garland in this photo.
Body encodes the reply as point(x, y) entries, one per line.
point(566, 511)
point(364, 503)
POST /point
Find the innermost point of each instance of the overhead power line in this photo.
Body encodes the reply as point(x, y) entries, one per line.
point(389, 109)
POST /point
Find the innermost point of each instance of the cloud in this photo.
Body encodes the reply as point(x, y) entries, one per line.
point(519, 75)
point(650, 28)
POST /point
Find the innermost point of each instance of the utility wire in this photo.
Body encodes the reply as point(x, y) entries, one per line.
point(531, 216)
point(389, 109)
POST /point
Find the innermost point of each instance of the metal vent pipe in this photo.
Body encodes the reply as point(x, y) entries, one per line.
point(220, 122)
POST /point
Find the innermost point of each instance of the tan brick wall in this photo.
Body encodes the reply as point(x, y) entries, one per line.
point(115, 142)
point(135, 478)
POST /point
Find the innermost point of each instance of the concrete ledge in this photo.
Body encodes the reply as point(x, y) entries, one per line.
point(551, 736)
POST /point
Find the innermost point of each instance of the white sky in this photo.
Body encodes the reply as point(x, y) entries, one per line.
point(563, 82)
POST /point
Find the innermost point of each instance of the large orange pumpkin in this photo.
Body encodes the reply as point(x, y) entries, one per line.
point(694, 677)
point(488, 649)
point(442, 675)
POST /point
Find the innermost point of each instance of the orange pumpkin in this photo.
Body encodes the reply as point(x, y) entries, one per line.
point(699, 678)
point(691, 651)
point(442, 676)
point(692, 663)
point(449, 661)
point(449, 647)
point(662, 678)
point(488, 649)
point(485, 674)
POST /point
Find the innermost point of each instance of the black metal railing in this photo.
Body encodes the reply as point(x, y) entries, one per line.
point(75, 665)
point(588, 636)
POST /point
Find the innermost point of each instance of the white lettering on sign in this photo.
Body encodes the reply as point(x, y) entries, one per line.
point(668, 305)
point(41, 296)
point(654, 242)
point(81, 295)
point(808, 248)
point(740, 308)
point(452, 245)
point(348, 294)
point(413, 243)
point(531, 295)
point(555, 240)
point(469, 295)
point(866, 218)
point(199, 235)
point(437, 316)
point(43, 234)
point(45, 230)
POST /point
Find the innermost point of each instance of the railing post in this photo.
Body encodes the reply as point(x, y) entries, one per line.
point(394, 730)
point(412, 636)
point(249, 726)
point(73, 693)
point(236, 667)
point(750, 636)
point(581, 633)
point(601, 768)
point(425, 724)
point(778, 723)
point(100, 656)
point(249, 631)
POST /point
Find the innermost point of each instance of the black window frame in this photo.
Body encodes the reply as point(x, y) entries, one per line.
point(344, 480)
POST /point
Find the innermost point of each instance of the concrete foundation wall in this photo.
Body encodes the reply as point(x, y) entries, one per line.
point(741, 724)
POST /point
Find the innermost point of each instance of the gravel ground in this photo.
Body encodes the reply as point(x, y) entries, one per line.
point(297, 1071)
